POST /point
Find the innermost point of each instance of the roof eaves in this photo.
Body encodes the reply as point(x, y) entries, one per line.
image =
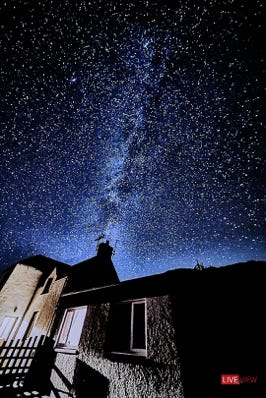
point(89, 290)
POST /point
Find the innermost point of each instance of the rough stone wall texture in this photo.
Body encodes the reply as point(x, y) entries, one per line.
point(21, 296)
point(45, 305)
point(62, 375)
point(17, 293)
point(157, 376)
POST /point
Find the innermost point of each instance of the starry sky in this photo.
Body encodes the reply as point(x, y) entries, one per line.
point(139, 120)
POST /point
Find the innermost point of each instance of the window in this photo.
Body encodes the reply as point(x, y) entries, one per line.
point(71, 327)
point(31, 324)
point(47, 285)
point(7, 326)
point(129, 328)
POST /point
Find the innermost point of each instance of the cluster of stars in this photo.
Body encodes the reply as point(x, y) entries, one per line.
point(142, 121)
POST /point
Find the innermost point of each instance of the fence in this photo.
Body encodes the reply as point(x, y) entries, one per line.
point(16, 360)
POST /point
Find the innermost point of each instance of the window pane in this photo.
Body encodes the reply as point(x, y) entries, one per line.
point(121, 321)
point(76, 327)
point(138, 338)
point(66, 327)
point(72, 327)
point(7, 326)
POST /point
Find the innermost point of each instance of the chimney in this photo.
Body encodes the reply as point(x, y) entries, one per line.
point(104, 250)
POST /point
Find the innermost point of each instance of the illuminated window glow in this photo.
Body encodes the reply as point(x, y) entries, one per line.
point(71, 327)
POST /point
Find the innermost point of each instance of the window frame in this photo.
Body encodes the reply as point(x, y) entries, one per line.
point(61, 346)
point(10, 330)
point(47, 286)
point(131, 350)
point(31, 324)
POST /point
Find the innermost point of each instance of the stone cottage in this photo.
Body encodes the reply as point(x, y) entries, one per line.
point(30, 291)
point(115, 340)
point(170, 335)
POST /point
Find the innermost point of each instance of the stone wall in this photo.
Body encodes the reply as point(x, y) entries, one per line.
point(21, 296)
point(94, 371)
point(45, 305)
point(17, 293)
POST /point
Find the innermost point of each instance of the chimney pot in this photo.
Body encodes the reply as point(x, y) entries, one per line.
point(104, 250)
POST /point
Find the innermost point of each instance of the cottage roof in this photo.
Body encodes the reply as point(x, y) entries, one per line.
point(41, 263)
point(187, 284)
point(94, 272)
point(46, 265)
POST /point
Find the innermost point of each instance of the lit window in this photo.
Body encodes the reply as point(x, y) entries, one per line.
point(7, 326)
point(71, 327)
point(129, 328)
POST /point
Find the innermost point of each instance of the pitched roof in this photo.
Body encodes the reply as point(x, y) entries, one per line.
point(187, 284)
point(41, 263)
point(94, 272)
point(46, 265)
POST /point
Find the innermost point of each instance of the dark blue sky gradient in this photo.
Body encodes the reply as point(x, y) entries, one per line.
point(143, 121)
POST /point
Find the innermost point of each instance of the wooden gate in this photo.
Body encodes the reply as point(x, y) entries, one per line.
point(17, 359)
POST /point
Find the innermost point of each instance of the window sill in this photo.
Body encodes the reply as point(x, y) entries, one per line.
point(131, 353)
point(66, 350)
point(131, 357)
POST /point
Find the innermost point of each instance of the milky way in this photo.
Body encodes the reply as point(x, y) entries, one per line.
point(141, 121)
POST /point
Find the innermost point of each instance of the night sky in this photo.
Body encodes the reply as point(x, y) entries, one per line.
point(141, 121)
